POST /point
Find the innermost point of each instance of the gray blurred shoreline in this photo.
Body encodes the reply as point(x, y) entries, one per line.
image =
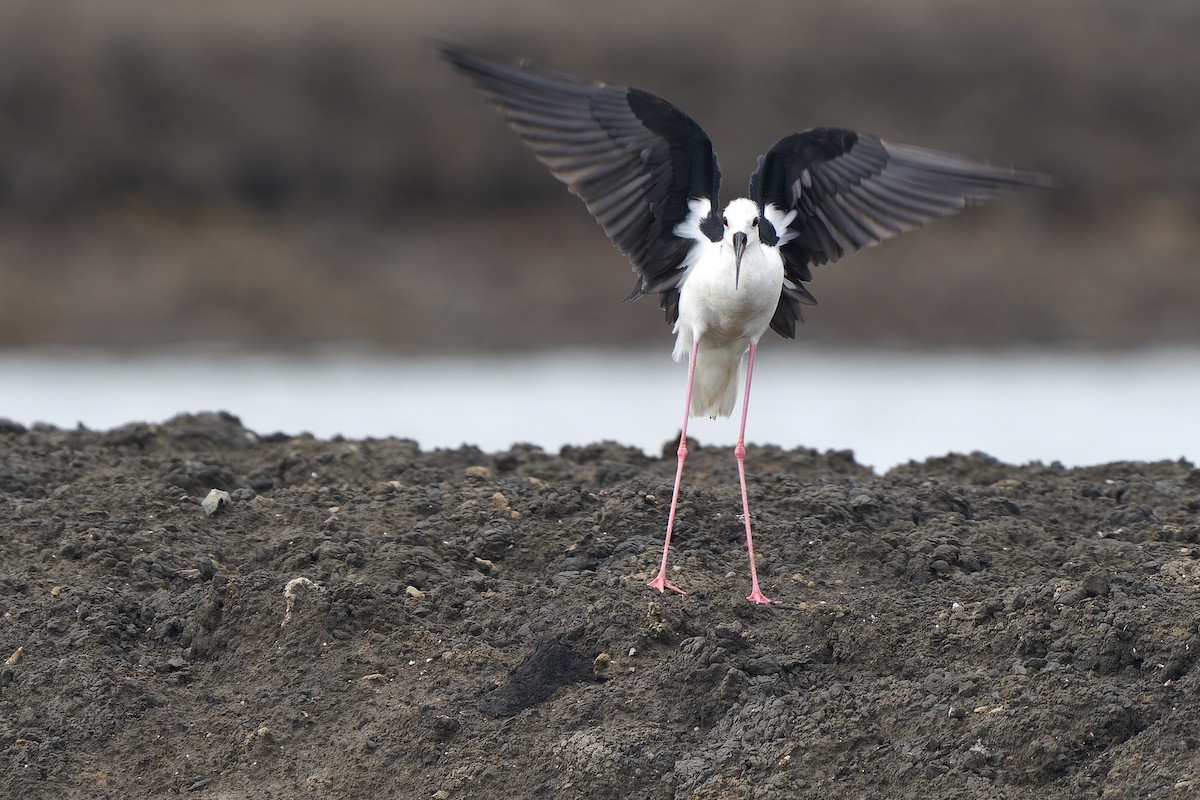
point(286, 175)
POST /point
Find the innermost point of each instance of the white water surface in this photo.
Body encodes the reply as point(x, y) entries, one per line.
point(888, 407)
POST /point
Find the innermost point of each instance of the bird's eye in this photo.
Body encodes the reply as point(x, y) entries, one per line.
point(725, 221)
point(754, 222)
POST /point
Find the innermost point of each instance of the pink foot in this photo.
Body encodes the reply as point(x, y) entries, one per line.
point(756, 596)
point(662, 584)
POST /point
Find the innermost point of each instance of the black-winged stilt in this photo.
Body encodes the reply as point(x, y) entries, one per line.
point(647, 173)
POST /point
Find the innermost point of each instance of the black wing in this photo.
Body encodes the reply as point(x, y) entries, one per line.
point(850, 191)
point(634, 159)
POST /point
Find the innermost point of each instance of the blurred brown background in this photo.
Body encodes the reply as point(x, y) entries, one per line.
point(285, 175)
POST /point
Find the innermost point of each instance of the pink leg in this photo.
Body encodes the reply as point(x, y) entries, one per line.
point(756, 595)
point(660, 582)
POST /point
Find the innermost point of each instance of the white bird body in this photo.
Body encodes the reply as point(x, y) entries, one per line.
point(726, 307)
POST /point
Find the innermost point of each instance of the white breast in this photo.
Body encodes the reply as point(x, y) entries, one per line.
point(711, 307)
point(725, 318)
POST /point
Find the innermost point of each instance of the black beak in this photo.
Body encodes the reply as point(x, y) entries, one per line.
point(739, 249)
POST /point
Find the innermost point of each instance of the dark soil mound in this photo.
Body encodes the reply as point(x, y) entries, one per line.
point(363, 619)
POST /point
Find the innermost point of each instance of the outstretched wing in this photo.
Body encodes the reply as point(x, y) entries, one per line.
point(641, 166)
point(836, 192)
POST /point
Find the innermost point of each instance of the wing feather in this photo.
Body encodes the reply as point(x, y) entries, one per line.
point(634, 159)
point(851, 191)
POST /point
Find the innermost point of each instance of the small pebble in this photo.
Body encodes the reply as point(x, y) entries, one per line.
point(216, 501)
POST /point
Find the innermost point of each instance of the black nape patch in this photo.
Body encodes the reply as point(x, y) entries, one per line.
point(712, 227)
point(766, 231)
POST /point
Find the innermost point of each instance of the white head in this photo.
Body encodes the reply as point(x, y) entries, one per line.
point(741, 229)
point(741, 215)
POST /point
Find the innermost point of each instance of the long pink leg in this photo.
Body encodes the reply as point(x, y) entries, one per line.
point(756, 595)
point(660, 582)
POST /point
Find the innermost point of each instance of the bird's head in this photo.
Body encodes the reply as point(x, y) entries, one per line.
point(741, 230)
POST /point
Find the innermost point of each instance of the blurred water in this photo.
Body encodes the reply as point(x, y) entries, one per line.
point(888, 407)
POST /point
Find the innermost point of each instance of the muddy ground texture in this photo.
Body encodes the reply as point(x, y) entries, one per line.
point(364, 619)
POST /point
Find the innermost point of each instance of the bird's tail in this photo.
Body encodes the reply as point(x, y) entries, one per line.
point(715, 385)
